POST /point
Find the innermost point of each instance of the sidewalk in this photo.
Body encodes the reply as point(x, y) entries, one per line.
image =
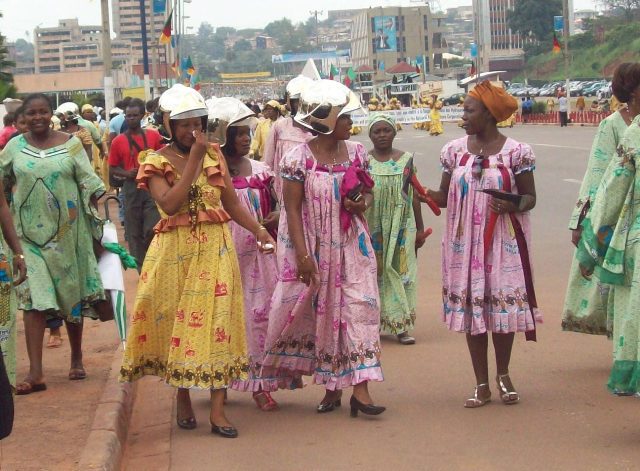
point(52, 427)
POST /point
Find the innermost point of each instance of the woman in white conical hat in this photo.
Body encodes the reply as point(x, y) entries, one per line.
point(188, 323)
point(325, 314)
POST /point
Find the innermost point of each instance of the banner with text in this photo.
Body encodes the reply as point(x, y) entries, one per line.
point(412, 115)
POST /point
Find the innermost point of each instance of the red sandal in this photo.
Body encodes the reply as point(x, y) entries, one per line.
point(264, 401)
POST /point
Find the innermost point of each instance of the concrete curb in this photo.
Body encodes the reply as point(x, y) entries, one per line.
point(106, 441)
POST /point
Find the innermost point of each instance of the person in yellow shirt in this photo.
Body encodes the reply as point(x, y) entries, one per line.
point(270, 112)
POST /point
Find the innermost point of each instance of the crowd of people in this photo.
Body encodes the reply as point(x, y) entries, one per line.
point(272, 247)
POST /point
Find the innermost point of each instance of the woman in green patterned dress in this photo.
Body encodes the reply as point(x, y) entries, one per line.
point(394, 220)
point(610, 244)
point(585, 307)
point(53, 205)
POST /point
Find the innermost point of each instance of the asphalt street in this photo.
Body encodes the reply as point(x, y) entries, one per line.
point(565, 420)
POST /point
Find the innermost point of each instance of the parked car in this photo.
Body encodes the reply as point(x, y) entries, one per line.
point(592, 89)
point(454, 99)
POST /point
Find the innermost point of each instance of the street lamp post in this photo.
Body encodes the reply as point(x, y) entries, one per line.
point(145, 51)
point(106, 58)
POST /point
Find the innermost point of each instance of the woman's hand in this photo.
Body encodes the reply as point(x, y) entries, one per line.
point(199, 147)
point(266, 244)
point(421, 238)
point(272, 220)
point(502, 206)
point(355, 208)
point(575, 236)
point(20, 268)
point(306, 269)
point(586, 272)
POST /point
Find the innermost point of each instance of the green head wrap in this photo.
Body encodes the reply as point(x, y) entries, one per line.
point(381, 117)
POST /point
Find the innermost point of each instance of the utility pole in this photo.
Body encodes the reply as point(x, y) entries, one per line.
point(154, 51)
point(316, 13)
point(106, 58)
point(566, 29)
point(145, 51)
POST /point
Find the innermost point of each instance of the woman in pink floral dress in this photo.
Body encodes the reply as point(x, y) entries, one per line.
point(252, 181)
point(486, 271)
point(325, 315)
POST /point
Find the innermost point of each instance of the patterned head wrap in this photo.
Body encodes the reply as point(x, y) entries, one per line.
point(381, 117)
point(499, 103)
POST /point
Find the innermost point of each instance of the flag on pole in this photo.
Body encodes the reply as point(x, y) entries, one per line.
point(165, 37)
point(417, 69)
point(350, 77)
point(556, 44)
point(176, 68)
point(333, 72)
point(189, 66)
point(381, 65)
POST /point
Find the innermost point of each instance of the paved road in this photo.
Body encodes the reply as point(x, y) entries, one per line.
point(566, 419)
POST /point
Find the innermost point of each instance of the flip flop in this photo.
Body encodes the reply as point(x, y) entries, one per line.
point(76, 374)
point(26, 387)
point(55, 341)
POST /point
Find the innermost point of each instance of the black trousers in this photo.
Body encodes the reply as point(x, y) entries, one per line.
point(140, 216)
point(6, 401)
point(563, 119)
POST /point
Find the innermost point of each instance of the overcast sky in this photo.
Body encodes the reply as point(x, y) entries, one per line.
point(22, 16)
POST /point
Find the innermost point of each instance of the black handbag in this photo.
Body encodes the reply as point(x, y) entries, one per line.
point(6, 402)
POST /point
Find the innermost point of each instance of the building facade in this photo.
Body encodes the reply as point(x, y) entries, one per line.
point(384, 36)
point(499, 48)
point(126, 25)
point(66, 47)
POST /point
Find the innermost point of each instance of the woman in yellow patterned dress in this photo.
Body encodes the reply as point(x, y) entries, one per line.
point(188, 321)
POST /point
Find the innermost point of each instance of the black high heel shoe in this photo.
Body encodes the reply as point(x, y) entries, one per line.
point(226, 432)
point(329, 406)
point(368, 409)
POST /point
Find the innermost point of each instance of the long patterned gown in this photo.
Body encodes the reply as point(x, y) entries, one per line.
point(188, 324)
point(585, 306)
point(329, 330)
point(610, 242)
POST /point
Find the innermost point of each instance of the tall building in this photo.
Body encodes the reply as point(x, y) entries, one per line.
point(384, 36)
point(499, 48)
point(66, 47)
point(126, 25)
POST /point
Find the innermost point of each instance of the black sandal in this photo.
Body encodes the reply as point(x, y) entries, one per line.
point(188, 424)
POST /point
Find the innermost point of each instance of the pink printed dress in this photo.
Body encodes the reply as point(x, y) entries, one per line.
point(283, 137)
point(257, 271)
point(486, 294)
point(329, 330)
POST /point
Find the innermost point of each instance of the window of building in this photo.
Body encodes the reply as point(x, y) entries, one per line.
point(375, 64)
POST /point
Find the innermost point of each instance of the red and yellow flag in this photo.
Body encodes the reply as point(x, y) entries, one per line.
point(556, 44)
point(165, 37)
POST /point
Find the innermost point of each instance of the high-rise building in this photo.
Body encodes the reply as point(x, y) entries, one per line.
point(500, 48)
point(66, 47)
point(126, 25)
point(384, 36)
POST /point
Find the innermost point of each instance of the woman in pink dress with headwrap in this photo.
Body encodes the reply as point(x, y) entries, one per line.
point(325, 315)
point(486, 270)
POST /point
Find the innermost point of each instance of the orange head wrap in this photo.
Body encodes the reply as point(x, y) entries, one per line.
point(499, 103)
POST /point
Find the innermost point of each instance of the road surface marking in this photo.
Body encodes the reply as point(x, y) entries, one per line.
point(572, 180)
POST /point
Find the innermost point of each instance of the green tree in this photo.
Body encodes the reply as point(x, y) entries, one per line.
point(5, 64)
point(242, 45)
point(533, 18)
point(628, 9)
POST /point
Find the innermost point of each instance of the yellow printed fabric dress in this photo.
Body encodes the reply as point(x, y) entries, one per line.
point(188, 323)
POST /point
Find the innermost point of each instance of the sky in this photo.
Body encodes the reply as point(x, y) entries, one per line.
point(20, 17)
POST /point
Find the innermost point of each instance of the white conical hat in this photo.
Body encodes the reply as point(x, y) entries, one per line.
point(296, 86)
point(68, 108)
point(172, 97)
point(191, 106)
point(228, 111)
point(323, 102)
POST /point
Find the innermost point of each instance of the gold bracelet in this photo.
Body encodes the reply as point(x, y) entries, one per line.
point(261, 228)
point(19, 255)
point(304, 258)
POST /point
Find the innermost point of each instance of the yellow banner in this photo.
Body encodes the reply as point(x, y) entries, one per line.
point(246, 76)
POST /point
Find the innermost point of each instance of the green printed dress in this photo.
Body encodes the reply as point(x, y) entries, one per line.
point(393, 234)
point(610, 243)
point(56, 224)
point(7, 313)
point(585, 307)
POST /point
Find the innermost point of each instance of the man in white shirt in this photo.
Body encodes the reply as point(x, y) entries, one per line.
point(563, 108)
